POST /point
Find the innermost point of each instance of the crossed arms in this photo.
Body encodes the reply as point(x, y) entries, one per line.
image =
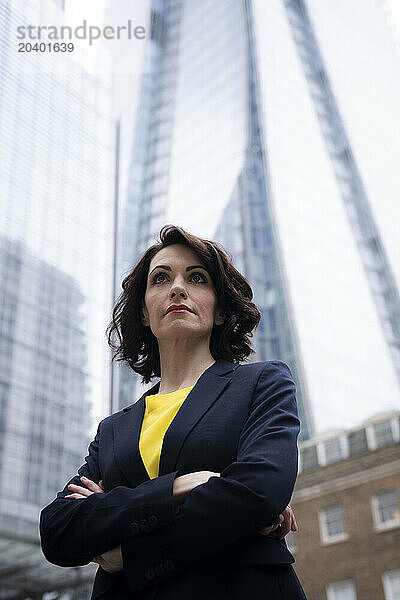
point(256, 489)
point(112, 561)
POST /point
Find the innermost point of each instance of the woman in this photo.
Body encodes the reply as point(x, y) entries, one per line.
point(185, 492)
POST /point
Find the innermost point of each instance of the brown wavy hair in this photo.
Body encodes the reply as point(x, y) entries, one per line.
point(138, 346)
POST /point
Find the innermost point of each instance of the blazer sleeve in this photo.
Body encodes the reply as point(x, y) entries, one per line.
point(249, 494)
point(75, 530)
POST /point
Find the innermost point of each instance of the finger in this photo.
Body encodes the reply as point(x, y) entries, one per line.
point(294, 526)
point(78, 488)
point(76, 496)
point(286, 524)
point(269, 528)
point(94, 487)
point(102, 562)
point(101, 484)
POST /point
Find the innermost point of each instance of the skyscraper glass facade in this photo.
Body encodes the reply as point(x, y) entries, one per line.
point(201, 159)
point(56, 241)
point(347, 360)
point(250, 164)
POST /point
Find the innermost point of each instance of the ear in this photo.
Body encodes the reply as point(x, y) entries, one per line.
point(144, 316)
point(219, 317)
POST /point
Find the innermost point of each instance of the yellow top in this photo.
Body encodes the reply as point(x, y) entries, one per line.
point(159, 413)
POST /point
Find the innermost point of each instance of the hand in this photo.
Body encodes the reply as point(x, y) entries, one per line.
point(82, 492)
point(111, 560)
point(184, 484)
point(287, 523)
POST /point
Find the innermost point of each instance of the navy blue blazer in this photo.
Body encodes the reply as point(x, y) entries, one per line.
point(240, 420)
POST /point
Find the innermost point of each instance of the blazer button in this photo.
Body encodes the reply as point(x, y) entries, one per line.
point(169, 565)
point(160, 570)
point(144, 525)
point(149, 574)
point(153, 520)
point(134, 527)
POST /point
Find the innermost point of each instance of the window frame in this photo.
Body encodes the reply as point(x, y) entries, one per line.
point(386, 583)
point(330, 592)
point(325, 538)
point(383, 525)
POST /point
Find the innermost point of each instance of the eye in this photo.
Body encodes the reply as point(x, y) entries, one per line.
point(201, 275)
point(161, 273)
point(156, 277)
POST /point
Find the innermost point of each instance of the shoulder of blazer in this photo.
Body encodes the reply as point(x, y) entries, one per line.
point(275, 369)
point(255, 370)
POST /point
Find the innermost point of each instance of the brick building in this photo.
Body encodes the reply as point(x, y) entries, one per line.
point(347, 506)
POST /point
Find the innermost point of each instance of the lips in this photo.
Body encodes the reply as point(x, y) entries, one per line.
point(180, 307)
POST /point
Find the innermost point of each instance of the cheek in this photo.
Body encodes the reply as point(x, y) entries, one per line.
point(207, 307)
point(151, 298)
point(151, 310)
point(155, 307)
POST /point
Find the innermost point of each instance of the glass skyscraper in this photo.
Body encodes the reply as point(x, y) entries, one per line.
point(56, 264)
point(264, 135)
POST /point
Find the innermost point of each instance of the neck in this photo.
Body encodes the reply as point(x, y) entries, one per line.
point(182, 363)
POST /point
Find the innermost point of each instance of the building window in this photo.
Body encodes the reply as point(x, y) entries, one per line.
point(391, 585)
point(332, 450)
point(332, 524)
point(385, 509)
point(357, 441)
point(309, 458)
point(341, 590)
point(383, 434)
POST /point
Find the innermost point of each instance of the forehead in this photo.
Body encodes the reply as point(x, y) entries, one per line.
point(175, 254)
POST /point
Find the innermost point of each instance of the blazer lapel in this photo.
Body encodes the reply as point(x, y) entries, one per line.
point(127, 425)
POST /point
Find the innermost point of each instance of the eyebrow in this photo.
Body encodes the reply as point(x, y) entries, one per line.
point(167, 268)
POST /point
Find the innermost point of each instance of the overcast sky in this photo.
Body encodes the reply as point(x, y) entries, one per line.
point(78, 10)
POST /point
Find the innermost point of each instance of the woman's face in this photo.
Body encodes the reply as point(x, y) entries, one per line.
point(177, 276)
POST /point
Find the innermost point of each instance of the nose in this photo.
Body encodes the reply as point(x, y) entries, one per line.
point(177, 288)
point(178, 292)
